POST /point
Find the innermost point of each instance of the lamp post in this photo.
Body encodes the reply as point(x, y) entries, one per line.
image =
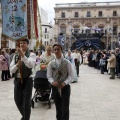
point(107, 41)
point(70, 40)
point(41, 35)
point(109, 32)
point(111, 35)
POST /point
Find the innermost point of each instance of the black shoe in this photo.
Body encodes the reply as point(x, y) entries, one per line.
point(4, 79)
point(74, 81)
point(112, 78)
point(7, 79)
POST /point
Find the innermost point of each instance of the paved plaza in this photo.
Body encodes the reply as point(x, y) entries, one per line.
point(93, 97)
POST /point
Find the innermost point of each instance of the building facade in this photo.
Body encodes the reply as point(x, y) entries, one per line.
point(103, 15)
point(47, 29)
point(48, 34)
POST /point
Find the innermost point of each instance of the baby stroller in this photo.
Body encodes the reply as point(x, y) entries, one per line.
point(42, 87)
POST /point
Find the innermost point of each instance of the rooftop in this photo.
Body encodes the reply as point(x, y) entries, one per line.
point(87, 4)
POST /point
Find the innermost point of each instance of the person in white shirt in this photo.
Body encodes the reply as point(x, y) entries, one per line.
point(77, 59)
point(60, 75)
point(48, 55)
point(22, 63)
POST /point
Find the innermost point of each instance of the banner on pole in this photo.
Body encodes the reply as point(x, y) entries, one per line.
point(35, 7)
point(29, 13)
point(61, 39)
point(14, 18)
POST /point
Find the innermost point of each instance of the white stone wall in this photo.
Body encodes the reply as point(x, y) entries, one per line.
point(32, 44)
point(82, 20)
point(44, 16)
point(50, 33)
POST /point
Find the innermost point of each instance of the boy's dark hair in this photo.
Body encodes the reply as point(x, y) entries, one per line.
point(26, 40)
point(57, 45)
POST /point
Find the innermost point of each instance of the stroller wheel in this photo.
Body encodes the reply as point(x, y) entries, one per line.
point(32, 103)
point(49, 104)
point(36, 99)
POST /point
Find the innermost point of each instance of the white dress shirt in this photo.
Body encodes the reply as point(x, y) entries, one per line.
point(69, 69)
point(77, 56)
point(29, 62)
point(46, 59)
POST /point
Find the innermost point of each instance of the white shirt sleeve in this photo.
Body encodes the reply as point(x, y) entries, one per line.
point(29, 62)
point(13, 67)
point(80, 59)
point(49, 73)
point(70, 74)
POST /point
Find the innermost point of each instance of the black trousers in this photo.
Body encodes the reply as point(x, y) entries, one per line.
point(77, 64)
point(22, 96)
point(112, 72)
point(4, 74)
point(9, 76)
point(62, 102)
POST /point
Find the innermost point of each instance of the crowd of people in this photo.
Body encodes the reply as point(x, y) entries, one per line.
point(22, 64)
point(104, 60)
point(6, 56)
point(62, 69)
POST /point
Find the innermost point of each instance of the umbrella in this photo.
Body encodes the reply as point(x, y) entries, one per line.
point(85, 28)
point(97, 29)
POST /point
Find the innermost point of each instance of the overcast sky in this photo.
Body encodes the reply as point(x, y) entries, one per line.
point(48, 6)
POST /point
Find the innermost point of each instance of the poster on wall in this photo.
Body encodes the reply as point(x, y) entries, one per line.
point(14, 18)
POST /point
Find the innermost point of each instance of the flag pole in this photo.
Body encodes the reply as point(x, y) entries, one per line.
point(111, 35)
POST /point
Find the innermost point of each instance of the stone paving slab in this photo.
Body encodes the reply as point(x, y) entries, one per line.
point(93, 97)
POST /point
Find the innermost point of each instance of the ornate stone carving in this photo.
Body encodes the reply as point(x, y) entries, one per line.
point(76, 25)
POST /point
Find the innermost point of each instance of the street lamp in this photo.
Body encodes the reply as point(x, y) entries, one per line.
point(109, 32)
point(58, 21)
point(69, 22)
point(111, 35)
point(107, 40)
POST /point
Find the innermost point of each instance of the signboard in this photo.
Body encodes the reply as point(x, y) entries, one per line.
point(88, 42)
point(61, 39)
point(14, 17)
